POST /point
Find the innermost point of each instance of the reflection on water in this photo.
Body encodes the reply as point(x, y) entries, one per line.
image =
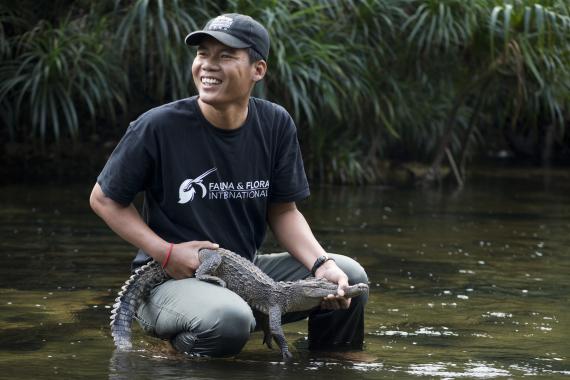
point(472, 284)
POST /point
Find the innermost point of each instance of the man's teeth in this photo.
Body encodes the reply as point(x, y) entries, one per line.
point(211, 80)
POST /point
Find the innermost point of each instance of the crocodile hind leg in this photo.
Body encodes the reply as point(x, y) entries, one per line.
point(208, 266)
point(277, 331)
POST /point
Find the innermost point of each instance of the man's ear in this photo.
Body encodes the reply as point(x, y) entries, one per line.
point(260, 68)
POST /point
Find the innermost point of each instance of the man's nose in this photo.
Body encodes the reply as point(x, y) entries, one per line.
point(210, 63)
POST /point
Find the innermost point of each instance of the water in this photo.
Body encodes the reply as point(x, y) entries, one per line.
point(471, 284)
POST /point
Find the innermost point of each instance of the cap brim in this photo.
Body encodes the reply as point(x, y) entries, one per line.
point(195, 38)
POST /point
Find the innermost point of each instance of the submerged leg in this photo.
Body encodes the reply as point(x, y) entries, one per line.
point(198, 318)
point(341, 329)
point(184, 342)
point(328, 330)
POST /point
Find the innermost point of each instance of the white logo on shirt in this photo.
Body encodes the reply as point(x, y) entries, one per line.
point(239, 190)
point(222, 190)
point(186, 191)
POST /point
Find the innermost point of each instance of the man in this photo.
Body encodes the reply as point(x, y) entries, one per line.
point(215, 169)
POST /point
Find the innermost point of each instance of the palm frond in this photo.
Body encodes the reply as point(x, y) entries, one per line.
point(58, 67)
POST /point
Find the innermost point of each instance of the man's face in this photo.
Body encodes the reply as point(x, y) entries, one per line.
point(223, 75)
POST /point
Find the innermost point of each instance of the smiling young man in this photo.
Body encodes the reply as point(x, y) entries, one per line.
point(216, 169)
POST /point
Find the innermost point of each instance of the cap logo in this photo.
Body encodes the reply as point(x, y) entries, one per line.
point(221, 23)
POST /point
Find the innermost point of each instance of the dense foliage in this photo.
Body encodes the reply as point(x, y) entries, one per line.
point(366, 81)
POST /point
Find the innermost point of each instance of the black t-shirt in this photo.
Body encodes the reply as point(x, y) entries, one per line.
point(205, 183)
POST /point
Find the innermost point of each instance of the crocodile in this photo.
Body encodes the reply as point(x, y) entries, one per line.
point(264, 295)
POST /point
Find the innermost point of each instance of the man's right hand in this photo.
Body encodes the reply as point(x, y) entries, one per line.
point(184, 259)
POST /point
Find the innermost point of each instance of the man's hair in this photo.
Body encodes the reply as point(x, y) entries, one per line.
point(253, 55)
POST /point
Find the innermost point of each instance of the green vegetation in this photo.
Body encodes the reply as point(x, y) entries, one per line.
point(367, 81)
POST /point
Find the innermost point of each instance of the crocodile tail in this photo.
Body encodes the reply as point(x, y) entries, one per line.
point(134, 291)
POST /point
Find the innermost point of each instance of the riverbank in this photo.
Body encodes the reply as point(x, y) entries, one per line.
point(71, 162)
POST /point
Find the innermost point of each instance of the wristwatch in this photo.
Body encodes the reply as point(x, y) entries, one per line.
point(319, 262)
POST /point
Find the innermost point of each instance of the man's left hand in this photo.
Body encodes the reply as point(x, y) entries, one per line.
point(330, 271)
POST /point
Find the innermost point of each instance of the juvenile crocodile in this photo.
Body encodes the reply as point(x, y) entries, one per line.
point(263, 294)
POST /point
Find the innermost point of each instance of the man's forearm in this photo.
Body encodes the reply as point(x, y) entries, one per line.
point(293, 232)
point(126, 222)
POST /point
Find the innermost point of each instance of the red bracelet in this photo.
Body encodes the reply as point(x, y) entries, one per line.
point(165, 263)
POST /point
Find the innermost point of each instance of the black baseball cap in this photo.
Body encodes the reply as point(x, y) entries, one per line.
point(234, 30)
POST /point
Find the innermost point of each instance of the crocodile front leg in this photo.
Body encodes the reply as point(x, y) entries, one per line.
point(277, 330)
point(210, 261)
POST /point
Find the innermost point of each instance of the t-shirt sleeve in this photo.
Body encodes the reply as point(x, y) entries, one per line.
point(126, 172)
point(288, 181)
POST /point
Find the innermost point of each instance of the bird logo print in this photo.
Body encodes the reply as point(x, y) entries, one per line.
point(187, 190)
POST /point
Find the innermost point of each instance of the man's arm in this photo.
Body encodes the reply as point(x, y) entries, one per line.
point(293, 232)
point(126, 222)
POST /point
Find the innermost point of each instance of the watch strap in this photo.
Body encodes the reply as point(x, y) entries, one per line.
point(319, 262)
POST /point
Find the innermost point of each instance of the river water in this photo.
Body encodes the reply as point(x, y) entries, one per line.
point(464, 284)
